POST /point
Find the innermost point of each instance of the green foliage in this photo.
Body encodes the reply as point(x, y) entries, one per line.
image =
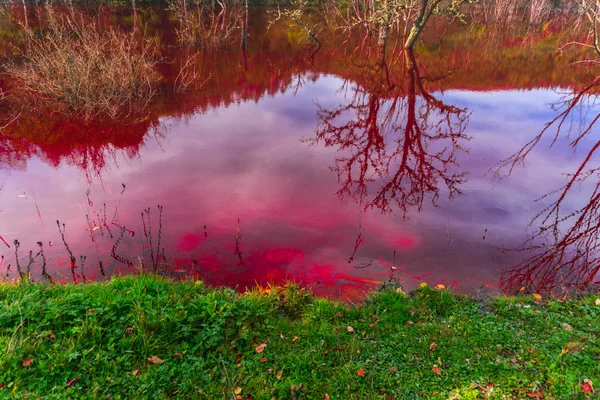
point(95, 340)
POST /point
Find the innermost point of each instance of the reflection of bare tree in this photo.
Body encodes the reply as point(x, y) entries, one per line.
point(398, 135)
point(565, 248)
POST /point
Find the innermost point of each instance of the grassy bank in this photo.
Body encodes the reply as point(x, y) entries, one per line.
point(144, 337)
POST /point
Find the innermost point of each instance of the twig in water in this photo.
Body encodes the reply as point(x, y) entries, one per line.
point(37, 208)
point(83, 258)
point(238, 240)
point(4, 241)
point(71, 256)
point(29, 264)
point(113, 251)
point(17, 245)
point(44, 263)
point(359, 240)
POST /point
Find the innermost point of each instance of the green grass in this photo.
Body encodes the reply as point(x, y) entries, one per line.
point(102, 334)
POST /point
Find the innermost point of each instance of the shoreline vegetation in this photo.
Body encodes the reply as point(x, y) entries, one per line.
point(146, 337)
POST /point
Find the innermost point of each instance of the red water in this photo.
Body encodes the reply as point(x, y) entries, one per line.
point(285, 166)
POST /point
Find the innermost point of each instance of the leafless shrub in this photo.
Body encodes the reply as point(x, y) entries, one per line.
point(201, 26)
point(79, 67)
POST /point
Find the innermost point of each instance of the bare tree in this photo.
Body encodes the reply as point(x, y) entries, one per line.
point(427, 135)
point(564, 250)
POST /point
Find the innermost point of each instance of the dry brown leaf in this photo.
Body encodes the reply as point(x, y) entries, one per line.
point(237, 390)
point(136, 372)
point(598, 302)
point(179, 355)
point(294, 339)
point(408, 323)
point(263, 360)
point(260, 348)
point(567, 326)
point(26, 362)
point(574, 347)
point(436, 370)
point(279, 375)
point(155, 360)
point(393, 369)
point(70, 382)
point(326, 397)
point(432, 346)
point(350, 329)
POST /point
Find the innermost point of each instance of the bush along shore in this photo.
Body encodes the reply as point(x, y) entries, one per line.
point(144, 337)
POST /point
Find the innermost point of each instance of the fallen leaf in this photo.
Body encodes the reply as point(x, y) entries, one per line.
point(26, 362)
point(574, 347)
point(179, 355)
point(537, 395)
point(587, 386)
point(393, 369)
point(237, 390)
point(439, 286)
point(408, 323)
point(598, 302)
point(136, 372)
point(239, 398)
point(326, 397)
point(360, 372)
point(263, 360)
point(522, 288)
point(567, 326)
point(432, 346)
point(436, 370)
point(129, 330)
point(564, 351)
point(260, 348)
point(295, 338)
point(279, 375)
point(537, 297)
point(350, 329)
point(72, 381)
point(155, 360)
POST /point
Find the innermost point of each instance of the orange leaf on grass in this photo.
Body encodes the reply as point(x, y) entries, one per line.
point(155, 360)
point(26, 362)
point(179, 355)
point(436, 370)
point(260, 348)
point(360, 372)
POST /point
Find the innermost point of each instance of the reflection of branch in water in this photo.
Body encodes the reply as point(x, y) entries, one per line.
point(238, 241)
point(427, 137)
point(563, 251)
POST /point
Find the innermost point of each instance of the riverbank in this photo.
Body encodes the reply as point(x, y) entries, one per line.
point(146, 337)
